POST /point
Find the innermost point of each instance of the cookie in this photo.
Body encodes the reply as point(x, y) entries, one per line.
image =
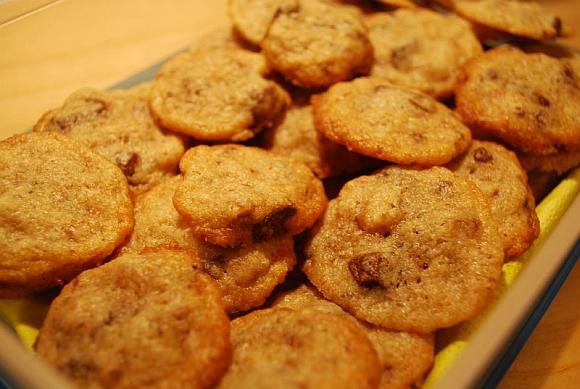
point(410, 250)
point(246, 276)
point(559, 163)
point(318, 45)
point(253, 18)
point(217, 95)
point(297, 138)
point(497, 172)
point(372, 117)
point(404, 357)
point(311, 43)
point(529, 101)
point(291, 349)
point(148, 320)
point(63, 209)
point(421, 49)
point(521, 18)
point(233, 195)
point(117, 124)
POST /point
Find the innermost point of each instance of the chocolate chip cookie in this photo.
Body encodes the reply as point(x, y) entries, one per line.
point(498, 173)
point(233, 195)
point(421, 49)
point(404, 357)
point(530, 101)
point(148, 320)
point(291, 349)
point(411, 250)
point(372, 117)
point(118, 125)
point(217, 95)
point(63, 209)
point(246, 276)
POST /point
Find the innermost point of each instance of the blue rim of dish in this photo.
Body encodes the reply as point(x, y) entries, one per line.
point(513, 348)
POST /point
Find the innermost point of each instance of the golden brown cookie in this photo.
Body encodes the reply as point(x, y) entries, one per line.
point(372, 117)
point(404, 357)
point(117, 124)
point(246, 276)
point(522, 18)
point(217, 95)
point(297, 138)
point(421, 49)
point(234, 194)
point(318, 45)
point(290, 349)
point(148, 320)
point(497, 172)
point(530, 101)
point(63, 209)
point(410, 250)
point(253, 18)
point(559, 163)
point(311, 43)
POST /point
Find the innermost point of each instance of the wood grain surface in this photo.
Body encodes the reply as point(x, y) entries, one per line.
point(47, 54)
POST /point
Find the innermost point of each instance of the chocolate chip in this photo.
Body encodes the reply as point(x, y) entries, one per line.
point(366, 269)
point(425, 266)
point(491, 74)
point(481, 154)
point(557, 24)
point(542, 100)
point(273, 224)
point(400, 56)
point(127, 162)
point(423, 103)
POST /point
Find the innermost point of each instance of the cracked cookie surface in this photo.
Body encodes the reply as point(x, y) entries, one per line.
point(411, 250)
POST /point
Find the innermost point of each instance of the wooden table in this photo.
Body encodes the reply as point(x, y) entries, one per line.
point(64, 45)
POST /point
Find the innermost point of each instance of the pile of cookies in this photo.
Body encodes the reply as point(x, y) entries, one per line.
point(188, 219)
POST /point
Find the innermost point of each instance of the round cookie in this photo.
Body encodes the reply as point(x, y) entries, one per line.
point(410, 250)
point(421, 49)
point(530, 101)
point(372, 117)
point(522, 18)
point(246, 276)
point(217, 95)
point(292, 349)
point(148, 320)
point(233, 194)
point(63, 209)
point(497, 172)
point(404, 357)
point(318, 44)
point(117, 124)
point(297, 138)
point(559, 163)
point(252, 18)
